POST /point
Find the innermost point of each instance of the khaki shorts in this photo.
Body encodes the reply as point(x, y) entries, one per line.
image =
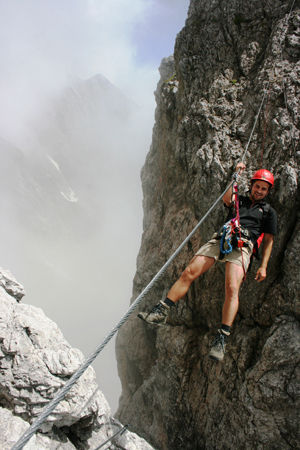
point(212, 249)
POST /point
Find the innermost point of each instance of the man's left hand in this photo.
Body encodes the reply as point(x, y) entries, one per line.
point(261, 274)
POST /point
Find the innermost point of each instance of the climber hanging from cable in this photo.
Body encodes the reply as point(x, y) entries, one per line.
point(250, 218)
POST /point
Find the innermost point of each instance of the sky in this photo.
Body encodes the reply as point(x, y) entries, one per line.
point(44, 45)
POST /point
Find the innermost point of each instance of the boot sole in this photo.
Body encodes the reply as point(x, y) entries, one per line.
point(215, 358)
point(157, 324)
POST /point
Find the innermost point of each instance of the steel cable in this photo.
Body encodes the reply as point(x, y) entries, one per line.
point(62, 393)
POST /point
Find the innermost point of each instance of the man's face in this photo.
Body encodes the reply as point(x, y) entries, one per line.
point(259, 190)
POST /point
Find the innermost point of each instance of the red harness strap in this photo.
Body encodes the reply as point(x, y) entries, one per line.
point(237, 218)
point(259, 240)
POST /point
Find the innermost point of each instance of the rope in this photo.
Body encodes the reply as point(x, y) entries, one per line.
point(240, 242)
point(283, 79)
point(266, 121)
point(62, 393)
point(119, 432)
point(266, 117)
point(255, 122)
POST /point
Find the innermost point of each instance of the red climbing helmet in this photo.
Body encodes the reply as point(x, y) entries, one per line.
point(263, 175)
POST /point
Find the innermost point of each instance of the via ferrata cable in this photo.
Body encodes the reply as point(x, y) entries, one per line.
point(62, 393)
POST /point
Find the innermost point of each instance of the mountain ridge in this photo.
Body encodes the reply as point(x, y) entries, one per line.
point(226, 57)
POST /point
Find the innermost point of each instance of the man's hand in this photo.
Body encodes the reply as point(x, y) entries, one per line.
point(228, 197)
point(266, 253)
point(261, 274)
point(240, 167)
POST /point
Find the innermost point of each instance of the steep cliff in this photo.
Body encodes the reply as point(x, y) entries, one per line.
point(35, 362)
point(228, 55)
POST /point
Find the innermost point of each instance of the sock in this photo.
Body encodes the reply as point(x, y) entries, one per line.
point(225, 329)
point(169, 302)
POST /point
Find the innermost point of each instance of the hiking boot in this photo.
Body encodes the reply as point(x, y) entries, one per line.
point(217, 350)
point(157, 316)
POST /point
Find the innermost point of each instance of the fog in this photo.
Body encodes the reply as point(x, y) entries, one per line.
point(76, 115)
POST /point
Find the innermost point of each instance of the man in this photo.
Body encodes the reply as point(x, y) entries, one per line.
point(255, 217)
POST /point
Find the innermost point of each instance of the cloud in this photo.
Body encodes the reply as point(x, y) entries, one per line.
point(119, 12)
point(44, 45)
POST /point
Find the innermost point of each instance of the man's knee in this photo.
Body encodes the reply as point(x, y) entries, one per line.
point(199, 265)
point(189, 274)
point(234, 277)
point(232, 288)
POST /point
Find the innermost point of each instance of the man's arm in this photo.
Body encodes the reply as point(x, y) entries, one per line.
point(227, 197)
point(266, 253)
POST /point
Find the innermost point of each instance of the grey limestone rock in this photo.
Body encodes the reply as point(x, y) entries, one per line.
point(10, 284)
point(35, 362)
point(11, 427)
point(229, 56)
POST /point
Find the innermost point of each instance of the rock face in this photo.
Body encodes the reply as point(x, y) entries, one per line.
point(229, 55)
point(35, 362)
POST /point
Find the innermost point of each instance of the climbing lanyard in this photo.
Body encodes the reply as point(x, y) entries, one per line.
point(240, 241)
point(231, 233)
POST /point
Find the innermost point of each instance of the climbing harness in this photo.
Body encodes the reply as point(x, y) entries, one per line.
point(83, 367)
point(225, 242)
point(233, 235)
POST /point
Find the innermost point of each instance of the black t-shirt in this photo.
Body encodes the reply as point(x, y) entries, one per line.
point(253, 218)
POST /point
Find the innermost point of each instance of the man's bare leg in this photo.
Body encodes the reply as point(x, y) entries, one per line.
point(158, 315)
point(233, 279)
point(198, 265)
